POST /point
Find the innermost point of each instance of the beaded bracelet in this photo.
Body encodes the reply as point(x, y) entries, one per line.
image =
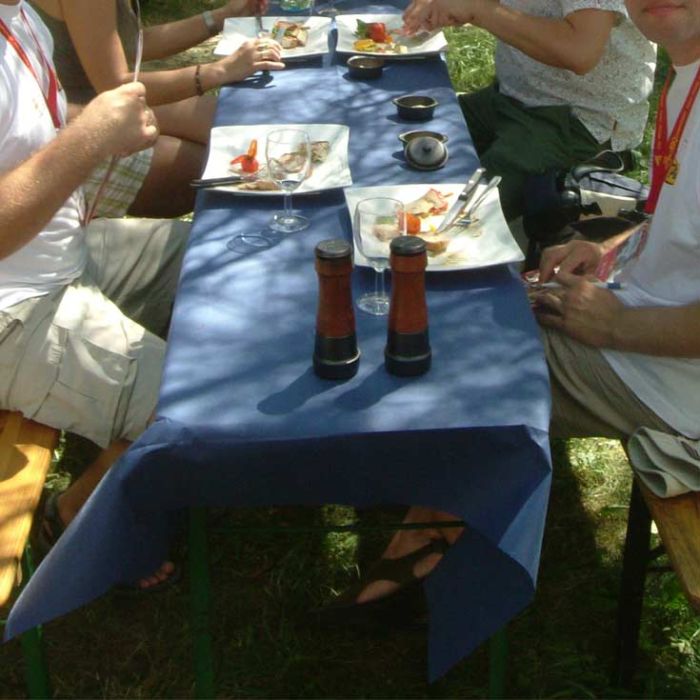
point(198, 80)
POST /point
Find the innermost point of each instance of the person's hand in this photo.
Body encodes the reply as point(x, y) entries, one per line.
point(580, 257)
point(247, 8)
point(581, 309)
point(433, 14)
point(251, 56)
point(122, 120)
point(414, 15)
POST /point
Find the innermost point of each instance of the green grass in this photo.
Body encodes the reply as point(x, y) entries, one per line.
point(264, 584)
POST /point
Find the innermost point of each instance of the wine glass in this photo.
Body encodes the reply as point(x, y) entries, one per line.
point(288, 154)
point(376, 222)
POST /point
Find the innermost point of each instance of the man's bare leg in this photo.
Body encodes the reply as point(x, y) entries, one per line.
point(74, 497)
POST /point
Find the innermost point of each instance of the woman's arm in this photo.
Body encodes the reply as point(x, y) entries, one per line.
point(92, 25)
point(576, 42)
point(164, 40)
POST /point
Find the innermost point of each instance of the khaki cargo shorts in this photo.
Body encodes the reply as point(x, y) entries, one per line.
point(588, 398)
point(81, 358)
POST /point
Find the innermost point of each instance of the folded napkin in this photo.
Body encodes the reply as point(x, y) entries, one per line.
point(669, 465)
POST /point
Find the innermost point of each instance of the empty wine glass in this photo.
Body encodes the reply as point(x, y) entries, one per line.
point(376, 222)
point(288, 154)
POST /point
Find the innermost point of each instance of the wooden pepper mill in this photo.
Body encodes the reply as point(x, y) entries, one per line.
point(336, 355)
point(407, 351)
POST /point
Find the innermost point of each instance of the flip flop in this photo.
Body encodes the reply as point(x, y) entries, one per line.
point(399, 571)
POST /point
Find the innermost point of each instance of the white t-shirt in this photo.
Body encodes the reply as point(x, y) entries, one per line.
point(610, 100)
point(57, 255)
point(666, 274)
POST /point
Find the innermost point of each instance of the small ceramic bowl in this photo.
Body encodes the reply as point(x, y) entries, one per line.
point(406, 136)
point(365, 67)
point(425, 153)
point(416, 108)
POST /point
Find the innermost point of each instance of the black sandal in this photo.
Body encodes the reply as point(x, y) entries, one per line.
point(399, 571)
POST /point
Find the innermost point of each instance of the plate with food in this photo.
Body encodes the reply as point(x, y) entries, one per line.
point(486, 241)
point(240, 151)
point(299, 37)
point(382, 35)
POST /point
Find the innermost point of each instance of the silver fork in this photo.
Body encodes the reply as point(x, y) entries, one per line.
point(467, 217)
point(262, 34)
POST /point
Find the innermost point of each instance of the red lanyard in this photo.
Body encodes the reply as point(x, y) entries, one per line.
point(664, 166)
point(51, 94)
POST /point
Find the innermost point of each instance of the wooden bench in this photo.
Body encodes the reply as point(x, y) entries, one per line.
point(26, 449)
point(678, 523)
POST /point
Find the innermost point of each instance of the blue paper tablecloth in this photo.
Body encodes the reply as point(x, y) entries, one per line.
point(243, 420)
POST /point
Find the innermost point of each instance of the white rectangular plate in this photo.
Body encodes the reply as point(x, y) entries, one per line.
point(486, 242)
point(433, 43)
point(227, 142)
point(240, 29)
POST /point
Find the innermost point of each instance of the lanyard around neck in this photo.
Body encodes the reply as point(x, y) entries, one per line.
point(664, 165)
point(51, 93)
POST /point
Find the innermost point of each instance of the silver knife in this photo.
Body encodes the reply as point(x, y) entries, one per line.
point(216, 181)
point(465, 218)
point(463, 199)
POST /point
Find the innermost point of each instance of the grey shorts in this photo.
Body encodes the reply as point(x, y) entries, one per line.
point(588, 398)
point(81, 358)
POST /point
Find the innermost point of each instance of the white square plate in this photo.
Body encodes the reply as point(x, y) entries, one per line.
point(488, 241)
point(240, 29)
point(227, 142)
point(422, 45)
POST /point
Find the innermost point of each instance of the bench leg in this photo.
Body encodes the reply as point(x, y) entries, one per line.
point(35, 669)
point(200, 601)
point(498, 658)
point(634, 566)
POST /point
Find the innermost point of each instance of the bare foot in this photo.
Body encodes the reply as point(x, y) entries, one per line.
point(383, 588)
point(405, 542)
point(162, 573)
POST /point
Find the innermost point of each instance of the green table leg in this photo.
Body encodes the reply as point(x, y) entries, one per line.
point(200, 597)
point(498, 657)
point(35, 670)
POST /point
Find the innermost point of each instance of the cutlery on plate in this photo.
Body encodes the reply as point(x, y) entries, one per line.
point(462, 201)
point(401, 37)
point(216, 181)
point(262, 34)
point(466, 216)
